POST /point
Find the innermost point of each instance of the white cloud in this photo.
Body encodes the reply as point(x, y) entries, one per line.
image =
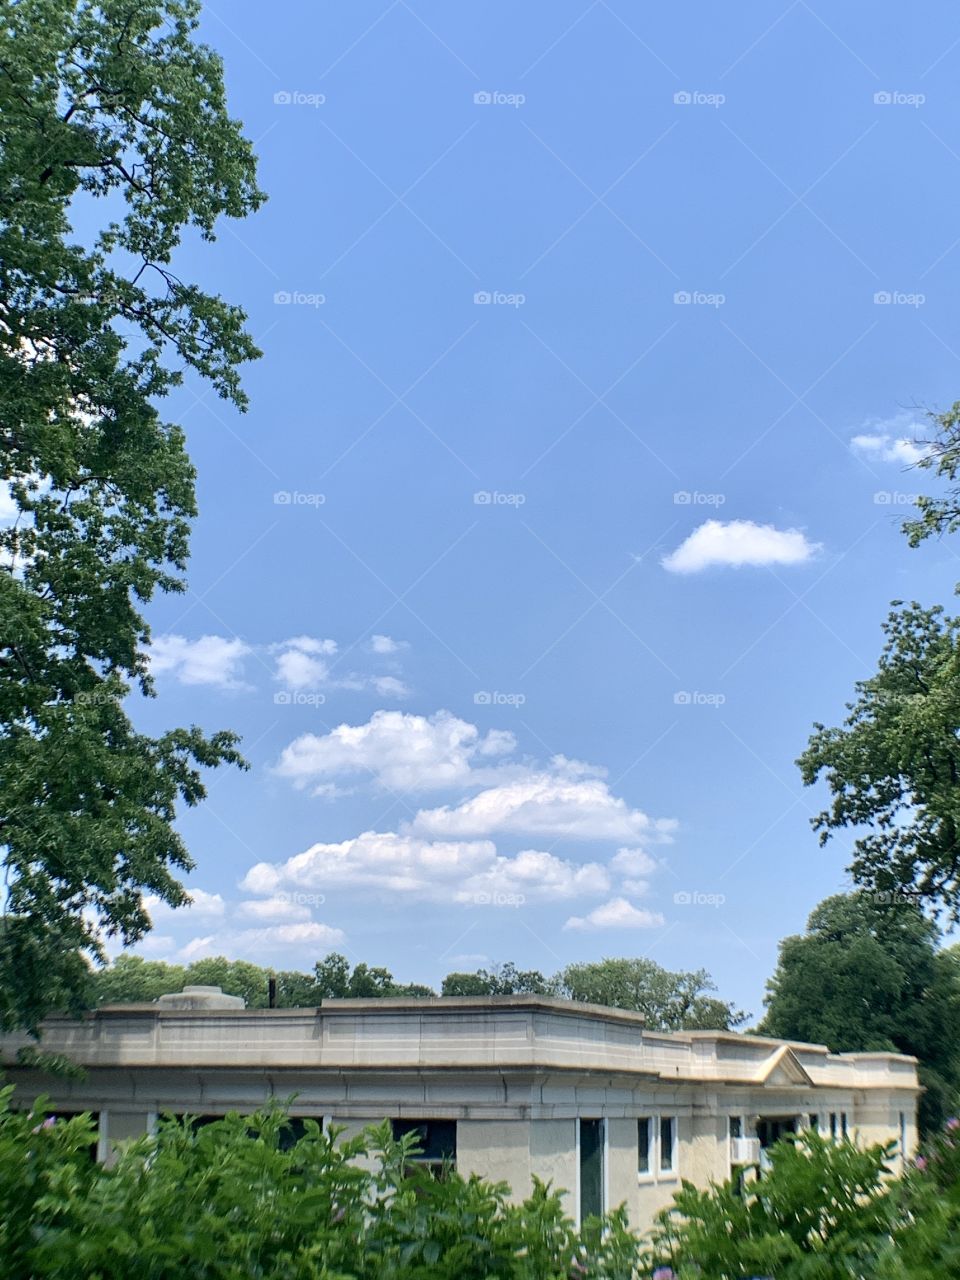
point(390, 687)
point(211, 660)
point(618, 913)
point(882, 447)
point(737, 543)
point(8, 505)
point(288, 935)
point(386, 644)
point(543, 804)
point(633, 862)
point(202, 905)
point(399, 750)
point(301, 661)
point(440, 871)
point(280, 908)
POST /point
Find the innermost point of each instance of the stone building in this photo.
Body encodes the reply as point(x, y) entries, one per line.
point(506, 1087)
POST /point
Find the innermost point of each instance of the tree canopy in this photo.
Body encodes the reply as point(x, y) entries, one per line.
point(868, 975)
point(893, 768)
point(115, 140)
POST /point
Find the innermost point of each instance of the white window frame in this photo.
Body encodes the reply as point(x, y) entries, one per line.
point(655, 1173)
point(668, 1174)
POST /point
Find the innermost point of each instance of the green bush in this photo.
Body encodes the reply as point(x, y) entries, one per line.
point(232, 1200)
point(237, 1200)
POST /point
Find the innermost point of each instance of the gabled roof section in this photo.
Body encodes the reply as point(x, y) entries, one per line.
point(783, 1067)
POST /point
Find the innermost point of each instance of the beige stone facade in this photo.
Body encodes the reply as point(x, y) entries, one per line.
point(576, 1094)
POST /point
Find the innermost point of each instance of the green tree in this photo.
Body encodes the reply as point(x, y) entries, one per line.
point(505, 980)
point(893, 768)
point(939, 514)
point(867, 975)
point(133, 980)
point(113, 115)
point(234, 977)
point(669, 1001)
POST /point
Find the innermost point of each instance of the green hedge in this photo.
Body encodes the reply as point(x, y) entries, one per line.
point(233, 1200)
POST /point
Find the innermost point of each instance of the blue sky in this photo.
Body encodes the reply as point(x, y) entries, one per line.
point(595, 343)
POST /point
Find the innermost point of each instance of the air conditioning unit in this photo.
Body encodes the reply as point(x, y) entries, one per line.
point(744, 1151)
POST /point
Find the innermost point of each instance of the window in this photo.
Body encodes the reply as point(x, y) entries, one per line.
point(736, 1126)
point(436, 1141)
point(903, 1136)
point(814, 1122)
point(643, 1144)
point(668, 1143)
point(833, 1125)
point(592, 1176)
point(843, 1123)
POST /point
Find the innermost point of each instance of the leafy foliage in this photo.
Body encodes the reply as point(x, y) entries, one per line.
point(868, 976)
point(114, 141)
point(893, 768)
point(669, 1001)
point(233, 1200)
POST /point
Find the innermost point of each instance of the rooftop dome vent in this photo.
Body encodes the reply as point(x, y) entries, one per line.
point(200, 998)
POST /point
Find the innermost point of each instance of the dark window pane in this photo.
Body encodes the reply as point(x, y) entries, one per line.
point(736, 1127)
point(643, 1145)
point(437, 1139)
point(591, 1168)
point(666, 1143)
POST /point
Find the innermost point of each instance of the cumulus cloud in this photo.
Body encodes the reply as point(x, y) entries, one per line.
point(386, 645)
point(301, 662)
point(546, 805)
point(440, 871)
point(202, 905)
point(618, 913)
point(736, 543)
point(282, 908)
point(398, 750)
point(883, 447)
point(211, 660)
